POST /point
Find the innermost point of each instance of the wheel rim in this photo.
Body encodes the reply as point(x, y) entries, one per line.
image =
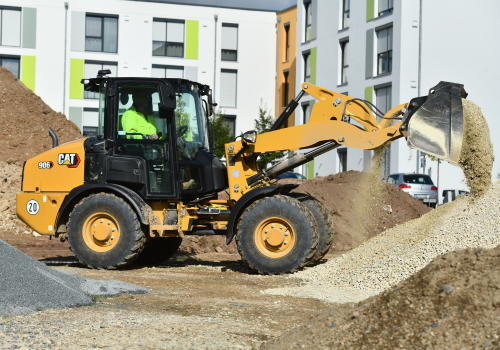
point(275, 237)
point(101, 232)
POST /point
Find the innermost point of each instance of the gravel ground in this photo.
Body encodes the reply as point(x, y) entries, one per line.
point(101, 327)
point(27, 285)
point(398, 253)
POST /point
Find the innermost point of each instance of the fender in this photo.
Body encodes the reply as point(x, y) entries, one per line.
point(142, 209)
point(247, 199)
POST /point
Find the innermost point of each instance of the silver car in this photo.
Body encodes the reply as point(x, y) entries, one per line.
point(419, 186)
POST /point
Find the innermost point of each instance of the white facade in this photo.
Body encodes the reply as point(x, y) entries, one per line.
point(456, 47)
point(254, 67)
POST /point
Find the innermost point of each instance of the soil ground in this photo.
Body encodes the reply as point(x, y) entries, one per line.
point(211, 300)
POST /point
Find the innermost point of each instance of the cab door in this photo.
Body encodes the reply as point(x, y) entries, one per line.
point(143, 154)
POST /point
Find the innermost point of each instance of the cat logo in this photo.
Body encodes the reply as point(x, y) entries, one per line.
point(70, 159)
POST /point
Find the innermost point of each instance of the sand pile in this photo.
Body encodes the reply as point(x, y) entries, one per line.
point(453, 303)
point(25, 121)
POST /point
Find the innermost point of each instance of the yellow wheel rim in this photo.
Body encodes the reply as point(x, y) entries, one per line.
point(101, 232)
point(275, 237)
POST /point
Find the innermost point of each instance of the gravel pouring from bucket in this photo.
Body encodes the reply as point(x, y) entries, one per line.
point(435, 122)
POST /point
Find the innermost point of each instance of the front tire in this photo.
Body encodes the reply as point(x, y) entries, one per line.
point(104, 232)
point(277, 235)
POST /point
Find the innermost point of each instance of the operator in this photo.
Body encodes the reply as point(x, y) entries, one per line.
point(137, 120)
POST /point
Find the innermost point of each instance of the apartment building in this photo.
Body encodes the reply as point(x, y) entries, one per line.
point(52, 45)
point(286, 60)
point(370, 49)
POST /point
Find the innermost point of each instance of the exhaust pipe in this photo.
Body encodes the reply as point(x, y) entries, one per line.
point(53, 135)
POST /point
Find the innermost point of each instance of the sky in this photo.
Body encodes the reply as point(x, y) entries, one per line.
point(271, 5)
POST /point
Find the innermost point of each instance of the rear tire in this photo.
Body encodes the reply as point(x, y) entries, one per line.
point(159, 250)
point(104, 232)
point(324, 220)
point(277, 235)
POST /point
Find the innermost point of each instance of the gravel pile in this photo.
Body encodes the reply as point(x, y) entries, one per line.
point(399, 252)
point(27, 285)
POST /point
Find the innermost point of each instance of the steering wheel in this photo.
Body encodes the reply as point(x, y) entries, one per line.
point(181, 130)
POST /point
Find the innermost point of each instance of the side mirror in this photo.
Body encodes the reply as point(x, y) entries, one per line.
point(209, 96)
point(167, 96)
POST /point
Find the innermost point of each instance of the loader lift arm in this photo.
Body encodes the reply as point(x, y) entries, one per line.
point(436, 128)
point(327, 129)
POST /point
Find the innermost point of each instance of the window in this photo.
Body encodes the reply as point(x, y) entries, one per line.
point(346, 13)
point(10, 26)
point(168, 37)
point(229, 42)
point(308, 20)
point(159, 71)
point(285, 88)
point(384, 100)
point(307, 68)
point(90, 121)
point(101, 33)
point(12, 63)
point(417, 179)
point(385, 7)
point(90, 71)
point(345, 61)
point(287, 39)
point(228, 84)
point(231, 122)
point(342, 154)
point(384, 50)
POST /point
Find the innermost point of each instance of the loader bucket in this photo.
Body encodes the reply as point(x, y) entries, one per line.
point(435, 122)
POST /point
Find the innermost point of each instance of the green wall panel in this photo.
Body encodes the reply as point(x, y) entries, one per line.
point(192, 34)
point(369, 93)
point(312, 65)
point(370, 9)
point(75, 75)
point(310, 169)
point(29, 28)
point(28, 70)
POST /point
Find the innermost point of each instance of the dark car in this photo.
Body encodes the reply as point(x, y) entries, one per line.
point(291, 175)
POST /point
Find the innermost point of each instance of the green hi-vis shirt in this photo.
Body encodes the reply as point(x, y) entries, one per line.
point(135, 122)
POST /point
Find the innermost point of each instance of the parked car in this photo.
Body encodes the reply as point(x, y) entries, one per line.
point(291, 175)
point(419, 186)
point(451, 195)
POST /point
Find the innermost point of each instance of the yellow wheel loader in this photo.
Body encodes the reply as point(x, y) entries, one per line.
point(124, 195)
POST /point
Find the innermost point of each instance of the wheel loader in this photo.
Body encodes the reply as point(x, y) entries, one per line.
point(122, 197)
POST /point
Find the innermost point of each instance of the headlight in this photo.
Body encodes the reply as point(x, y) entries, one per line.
point(250, 136)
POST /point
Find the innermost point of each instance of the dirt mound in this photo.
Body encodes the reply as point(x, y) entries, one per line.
point(25, 121)
point(10, 184)
point(476, 158)
point(437, 308)
point(343, 194)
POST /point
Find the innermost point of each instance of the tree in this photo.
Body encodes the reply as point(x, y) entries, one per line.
point(262, 125)
point(222, 132)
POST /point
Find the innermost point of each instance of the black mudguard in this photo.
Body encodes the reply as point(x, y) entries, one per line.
point(249, 198)
point(142, 209)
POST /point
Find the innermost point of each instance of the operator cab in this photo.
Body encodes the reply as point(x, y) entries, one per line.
point(153, 138)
